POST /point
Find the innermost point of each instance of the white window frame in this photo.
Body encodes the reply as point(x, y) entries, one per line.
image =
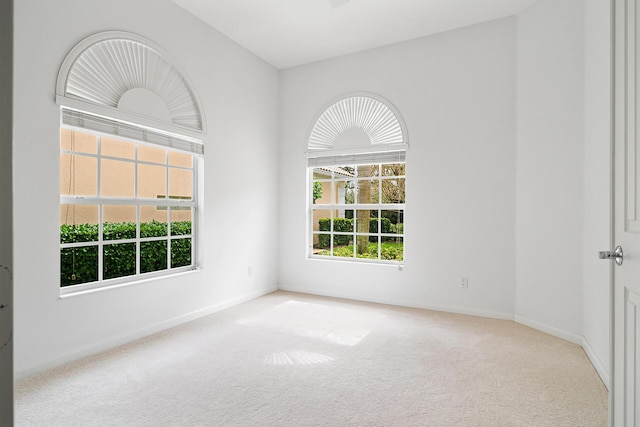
point(378, 159)
point(167, 202)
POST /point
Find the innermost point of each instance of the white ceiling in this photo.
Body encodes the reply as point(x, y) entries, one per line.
point(287, 33)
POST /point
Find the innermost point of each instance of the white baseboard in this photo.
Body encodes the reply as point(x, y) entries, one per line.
point(400, 303)
point(551, 330)
point(597, 364)
point(21, 372)
point(600, 368)
point(59, 360)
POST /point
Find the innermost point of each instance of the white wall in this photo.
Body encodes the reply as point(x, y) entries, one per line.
point(456, 92)
point(550, 166)
point(6, 200)
point(240, 97)
point(597, 181)
point(495, 119)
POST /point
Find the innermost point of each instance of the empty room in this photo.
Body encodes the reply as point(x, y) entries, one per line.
point(329, 212)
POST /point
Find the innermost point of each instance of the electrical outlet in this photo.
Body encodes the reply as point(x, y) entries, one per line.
point(464, 282)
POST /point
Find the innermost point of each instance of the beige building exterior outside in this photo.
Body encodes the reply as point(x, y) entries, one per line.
point(79, 177)
point(328, 197)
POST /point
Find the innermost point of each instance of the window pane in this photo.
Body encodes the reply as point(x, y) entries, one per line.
point(116, 178)
point(78, 265)
point(368, 170)
point(343, 172)
point(119, 260)
point(153, 221)
point(343, 245)
point(78, 175)
point(321, 192)
point(348, 188)
point(152, 181)
point(321, 244)
point(393, 221)
point(118, 222)
point(180, 252)
point(78, 223)
point(367, 247)
point(152, 154)
point(393, 190)
point(392, 249)
point(374, 191)
point(71, 140)
point(180, 183)
point(153, 256)
point(366, 221)
point(180, 221)
point(321, 220)
point(343, 221)
point(393, 170)
point(179, 159)
point(322, 173)
point(366, 191)
point(362, 244)
point(114, 148)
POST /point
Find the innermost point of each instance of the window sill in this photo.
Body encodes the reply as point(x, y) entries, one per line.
point(361, 261)
point(72, 291)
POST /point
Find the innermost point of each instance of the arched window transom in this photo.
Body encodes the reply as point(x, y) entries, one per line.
point(357, 120)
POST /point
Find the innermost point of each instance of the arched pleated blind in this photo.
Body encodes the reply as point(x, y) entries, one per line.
point(98, 77)
point(375, 117)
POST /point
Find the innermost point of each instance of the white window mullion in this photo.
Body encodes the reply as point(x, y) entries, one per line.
point(98, 191)
point(194, 209)
point(138, 253)
point(363, 206)
point(135, 171)
point(166, 175)
point(100, 245)
point(333, 211)
point(78, 244)
point(98, 165)
point(379, 211)
point(169, 238)
point(119, 241)
point(153, 239)
point(166, 185)
point(112, 201)
point(310, 211)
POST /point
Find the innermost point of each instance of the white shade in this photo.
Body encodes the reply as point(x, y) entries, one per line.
point(377, 119)
point(358, 159)
point(82, 120)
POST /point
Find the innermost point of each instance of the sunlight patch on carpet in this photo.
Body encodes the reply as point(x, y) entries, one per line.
point(326, 323)
point(297, 358)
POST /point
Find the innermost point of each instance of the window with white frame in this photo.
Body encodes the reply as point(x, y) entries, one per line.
point(357, 179)
point(127, 208)
point(357, 207)
point(131, 147)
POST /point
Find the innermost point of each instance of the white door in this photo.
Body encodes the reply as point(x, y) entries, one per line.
point(626, 289)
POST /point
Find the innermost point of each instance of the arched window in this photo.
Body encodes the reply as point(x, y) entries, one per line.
point(131, 144)
point(356, 156)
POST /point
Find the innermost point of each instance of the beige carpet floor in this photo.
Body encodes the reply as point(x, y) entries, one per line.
point(295, 360)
